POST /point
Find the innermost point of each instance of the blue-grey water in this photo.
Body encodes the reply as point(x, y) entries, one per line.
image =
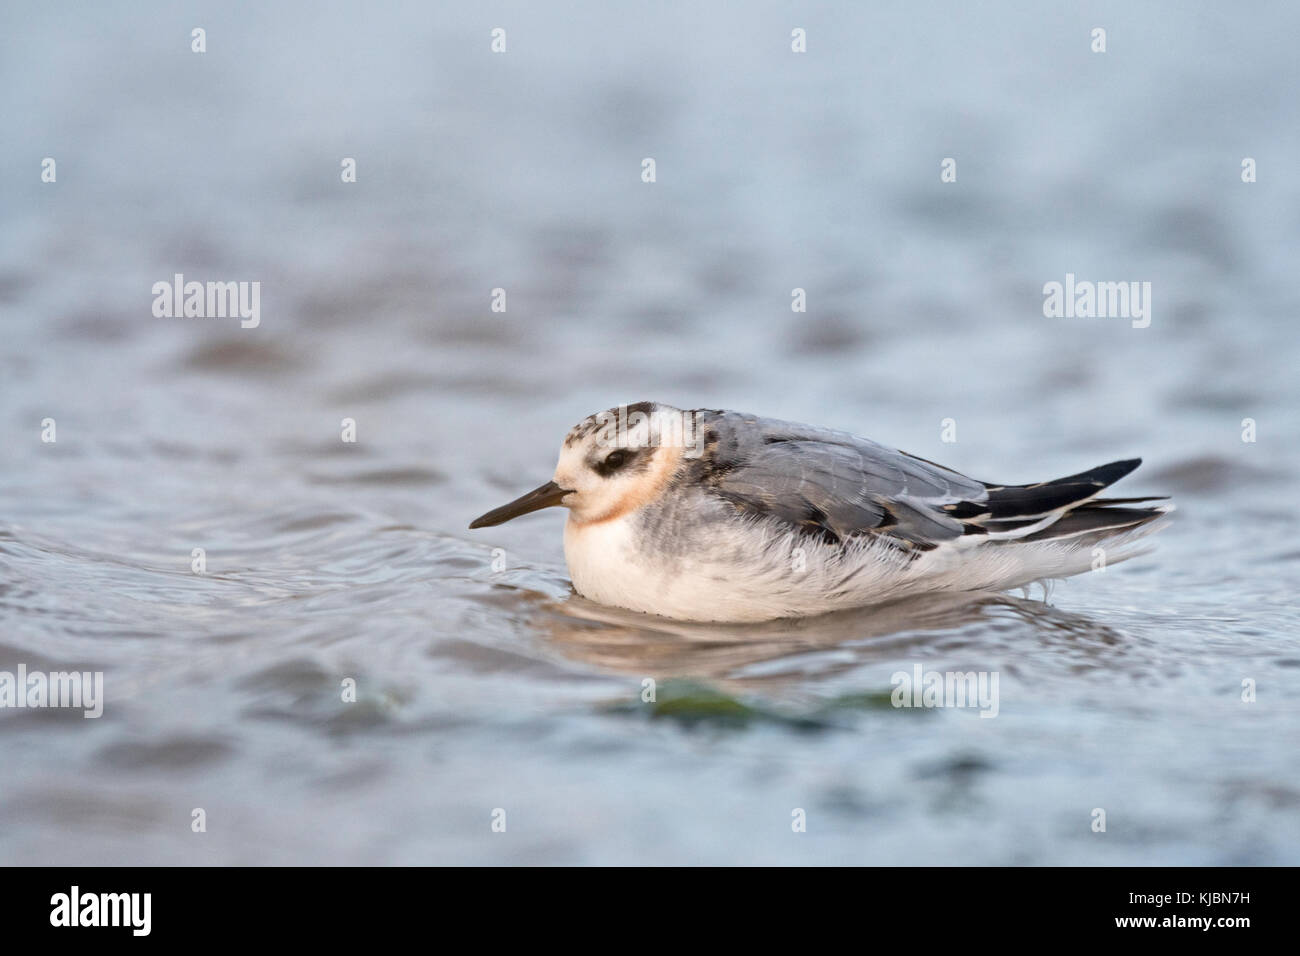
point(482, 684)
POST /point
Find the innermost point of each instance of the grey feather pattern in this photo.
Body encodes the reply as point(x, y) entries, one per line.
point(829, 483)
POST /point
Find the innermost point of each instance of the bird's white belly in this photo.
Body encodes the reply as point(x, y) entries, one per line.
point(608, 563)
point(769, 573)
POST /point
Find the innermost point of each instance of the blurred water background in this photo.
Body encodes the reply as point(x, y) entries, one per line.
point(481, 689)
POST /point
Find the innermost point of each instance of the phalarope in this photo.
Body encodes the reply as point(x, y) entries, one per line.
point(711, 515)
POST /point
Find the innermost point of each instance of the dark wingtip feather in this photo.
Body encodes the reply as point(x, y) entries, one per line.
point(1102, 475)
point(1098, 523)
point(1103, 502)
point(1028, 501)
point(1118, 469)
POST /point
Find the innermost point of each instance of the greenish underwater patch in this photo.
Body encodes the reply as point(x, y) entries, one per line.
point(696, 703)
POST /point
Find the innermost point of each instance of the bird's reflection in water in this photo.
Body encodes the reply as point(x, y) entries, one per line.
point(999, 628)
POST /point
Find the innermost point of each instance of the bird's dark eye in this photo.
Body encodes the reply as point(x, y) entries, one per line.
point(615, 460)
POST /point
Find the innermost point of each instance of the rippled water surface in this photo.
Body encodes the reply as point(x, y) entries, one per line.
point(480, 688)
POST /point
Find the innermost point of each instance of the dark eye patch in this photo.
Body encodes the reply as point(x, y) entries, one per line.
point(616, 460)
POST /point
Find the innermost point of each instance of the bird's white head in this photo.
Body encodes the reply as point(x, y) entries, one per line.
point(611, 464)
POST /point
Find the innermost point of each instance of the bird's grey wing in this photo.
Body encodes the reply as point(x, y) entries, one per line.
point(832, 484)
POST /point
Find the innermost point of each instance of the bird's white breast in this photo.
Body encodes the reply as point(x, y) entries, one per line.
point(602, 558)
point(610, 563)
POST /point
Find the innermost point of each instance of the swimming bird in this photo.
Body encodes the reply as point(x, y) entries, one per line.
point(711, 515)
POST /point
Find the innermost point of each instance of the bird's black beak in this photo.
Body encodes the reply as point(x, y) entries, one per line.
point(544, 497)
